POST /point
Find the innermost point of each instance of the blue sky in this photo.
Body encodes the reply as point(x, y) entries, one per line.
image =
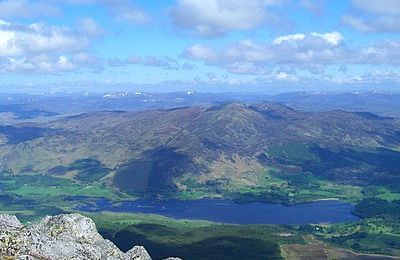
point(200, 45)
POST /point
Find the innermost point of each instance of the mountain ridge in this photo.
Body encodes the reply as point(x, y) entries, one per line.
point(225, 146)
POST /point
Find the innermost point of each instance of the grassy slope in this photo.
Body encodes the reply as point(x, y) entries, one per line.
point(207, 240)
point(305, 157)
point(32, 196)
point(371, 235)
point(164, 237)
point(221, 148)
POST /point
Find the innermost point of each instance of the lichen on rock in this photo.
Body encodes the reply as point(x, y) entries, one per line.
point(71, 236)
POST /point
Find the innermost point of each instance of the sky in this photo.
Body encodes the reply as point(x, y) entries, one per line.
point(199, 45)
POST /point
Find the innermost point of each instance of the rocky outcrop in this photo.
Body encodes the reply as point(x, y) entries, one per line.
point(72, 237)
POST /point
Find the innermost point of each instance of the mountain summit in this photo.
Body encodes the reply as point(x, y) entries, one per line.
point(224, 148)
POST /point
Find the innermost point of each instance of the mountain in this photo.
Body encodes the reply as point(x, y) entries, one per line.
point(72, 103)
point(28, 106)
point(379, 102)
point(60, 237)
point(265, 150)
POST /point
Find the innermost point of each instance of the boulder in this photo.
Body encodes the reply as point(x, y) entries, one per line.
point(70, 236)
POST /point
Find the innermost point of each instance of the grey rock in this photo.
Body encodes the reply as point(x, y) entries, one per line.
point(10, 222)
point(138, 253)
point(72, 237)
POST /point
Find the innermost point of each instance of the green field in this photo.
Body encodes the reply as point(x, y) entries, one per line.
point(372, 235)
point(195, 240)
point(31, 196)
point(277, 186)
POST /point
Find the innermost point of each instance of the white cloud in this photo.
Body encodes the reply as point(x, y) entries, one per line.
point(25, 8)
point(315, 6)
point(89, 26)
point(199, 52)
point(380, 53)
point(247, 51)
point(217, 17)
point(132, 16)
point(283, 76)
point(50, 64)
point(6, 40)
point(357, 23)
point(247, 68)
point(37, 64)
point(374, 16)
point(244, 52)
point(123, 10)
point(289, 38)
point(85, 58)
point(88, 60)
point(377, 24)
point(64, 63)
point(165, 62)
point(37, 38)
point(187, 66)
point(385, 7)
point(311, 52)
point(40, 48)
point(295, 48)
point(377, 77)
point(333, 37)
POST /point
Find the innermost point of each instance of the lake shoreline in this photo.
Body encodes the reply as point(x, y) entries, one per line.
point(231, 212)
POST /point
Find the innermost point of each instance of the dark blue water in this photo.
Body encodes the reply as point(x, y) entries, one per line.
point(227, 211)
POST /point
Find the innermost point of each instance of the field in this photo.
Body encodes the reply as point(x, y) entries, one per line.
point(32, 196)
point(196, 240)
point(207, 240)
point(299, 172)
point(292, 173)
point(373, 235)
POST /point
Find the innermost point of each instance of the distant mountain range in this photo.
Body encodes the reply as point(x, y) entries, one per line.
point(27, 106)
point(265, 150)
point(382, 103)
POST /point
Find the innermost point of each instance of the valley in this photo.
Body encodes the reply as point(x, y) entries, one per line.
point(242, 153)
point(263, 152)
point(199, 130)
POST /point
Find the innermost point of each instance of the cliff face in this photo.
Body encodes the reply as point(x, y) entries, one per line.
point(60, 237)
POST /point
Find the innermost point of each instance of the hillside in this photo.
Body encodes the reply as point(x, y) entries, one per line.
point(379, 102)
point(17, 107)
point(262, 151)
